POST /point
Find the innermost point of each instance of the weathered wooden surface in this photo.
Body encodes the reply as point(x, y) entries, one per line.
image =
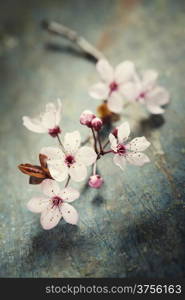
point(134, 226)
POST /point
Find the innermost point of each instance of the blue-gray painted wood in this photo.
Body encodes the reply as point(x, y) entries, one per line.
point(134, 226)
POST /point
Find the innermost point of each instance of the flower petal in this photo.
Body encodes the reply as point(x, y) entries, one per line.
point(137, 158)
point(86, 155)
point(123, 132)
point(115, 102)
point(58, 170)
point(155, 110)
point(113, 142)
point(50, 217)
point(99, 91)
point(33, 125)
point(48, 118)
point(105, 70)
point(69, 194)
point(158, 96)
point(149, 78)
point(69, 213)
point(52, 153)
point(138, 144)
point(52, 115)
point(78, 171)
point(38, 204)
point(50, 187)
point(72, 142)
point(124, 71)
point(119, 161)
point(130, 91)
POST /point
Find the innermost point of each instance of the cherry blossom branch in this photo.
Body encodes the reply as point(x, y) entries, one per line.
point(69, 34)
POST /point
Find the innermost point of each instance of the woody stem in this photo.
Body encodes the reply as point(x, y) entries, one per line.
point(68, 33)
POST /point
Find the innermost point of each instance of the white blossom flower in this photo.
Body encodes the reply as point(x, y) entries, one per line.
point(151, 94)
point(47, 122)
point(72, 160)
point(55, 205)
point(128, 152)
point(116, 85)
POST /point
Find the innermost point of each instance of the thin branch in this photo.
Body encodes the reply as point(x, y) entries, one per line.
point(106, 152)
point(69, 34)
point(67, 182)
point(94, 168)
point(99, 142)
point(106, 144)
point(60, 143)
point(95, 141)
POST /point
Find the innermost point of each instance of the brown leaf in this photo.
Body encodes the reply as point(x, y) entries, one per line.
point(43, 161)
point(35, 180)
point(35, 171)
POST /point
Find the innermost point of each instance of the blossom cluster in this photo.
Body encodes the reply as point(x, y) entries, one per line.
point(125, 84)
point(70, 160)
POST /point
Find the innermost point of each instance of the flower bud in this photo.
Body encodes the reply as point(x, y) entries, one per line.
point(95, 181)
point(96, 123)
point(86, 117)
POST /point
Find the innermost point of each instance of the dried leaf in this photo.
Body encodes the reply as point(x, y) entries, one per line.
point(35, 171)
point(35, 180)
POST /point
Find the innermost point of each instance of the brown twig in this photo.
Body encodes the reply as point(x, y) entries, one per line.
point(95, 141)
point(66, 32)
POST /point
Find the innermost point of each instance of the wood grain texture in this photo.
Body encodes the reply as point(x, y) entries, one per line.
point(134, 226)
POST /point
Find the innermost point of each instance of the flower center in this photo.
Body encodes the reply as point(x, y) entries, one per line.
point(57, 201)
point(121, 149)
point(142, 95)
point(113, 86)
point(55, 131)
point(69, 160)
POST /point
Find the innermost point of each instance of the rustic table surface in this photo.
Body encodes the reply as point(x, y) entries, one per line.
point(133, 226)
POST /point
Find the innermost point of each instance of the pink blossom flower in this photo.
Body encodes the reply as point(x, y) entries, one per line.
point(72, 160)
point(86, 118)
point(95, 181)
point(128, 152)
point(55, 205)
point(151, 94)
point(96, 124)
point(116, 85)
point(47, 122)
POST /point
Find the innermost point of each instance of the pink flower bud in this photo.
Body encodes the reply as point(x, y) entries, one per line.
point(97, 123)
point(95, 181)
point(86, 117)
point(115, 132)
